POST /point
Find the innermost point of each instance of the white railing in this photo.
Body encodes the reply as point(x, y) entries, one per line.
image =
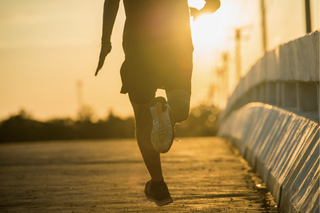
point(287, 77)
point(281, 146)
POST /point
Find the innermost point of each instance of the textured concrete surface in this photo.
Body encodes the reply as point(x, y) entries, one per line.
point(283, 149)
point(203, 175)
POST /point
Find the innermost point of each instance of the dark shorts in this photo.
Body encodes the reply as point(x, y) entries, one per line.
point(168, 67)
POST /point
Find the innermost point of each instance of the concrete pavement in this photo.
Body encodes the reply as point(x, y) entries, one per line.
point(203, 175)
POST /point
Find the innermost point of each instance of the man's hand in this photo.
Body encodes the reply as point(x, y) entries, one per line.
point(110, 11)
point(210, 7)
point(105, 50)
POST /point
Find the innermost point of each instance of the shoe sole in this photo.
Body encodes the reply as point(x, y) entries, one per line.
point(162, 202)
point(161, 114)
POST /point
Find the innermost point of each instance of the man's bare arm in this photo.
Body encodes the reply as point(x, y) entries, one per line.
point(211, 6)
point(109, 16)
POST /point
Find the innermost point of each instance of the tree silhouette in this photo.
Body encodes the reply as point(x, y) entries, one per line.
point(202, 121)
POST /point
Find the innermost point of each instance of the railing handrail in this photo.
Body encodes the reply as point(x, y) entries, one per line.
point(270, 80)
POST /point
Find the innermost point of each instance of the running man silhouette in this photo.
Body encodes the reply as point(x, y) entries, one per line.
point(158, 54)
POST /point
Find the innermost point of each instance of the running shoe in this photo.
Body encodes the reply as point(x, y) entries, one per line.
point(159, 193)
point(162, 134)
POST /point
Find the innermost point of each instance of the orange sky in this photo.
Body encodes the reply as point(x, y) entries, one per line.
point(47, 47)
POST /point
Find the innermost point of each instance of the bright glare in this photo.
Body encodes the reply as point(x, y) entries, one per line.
point(208, 32)
point(203, 32)
point(196, 3)
point(214, 31)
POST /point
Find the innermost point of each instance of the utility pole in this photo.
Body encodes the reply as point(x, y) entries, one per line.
point(308, 16)
point(221, 89)
point(238, 37)
point(225, 59)
point(210, 95)
point(79, 93)
point(264, 26)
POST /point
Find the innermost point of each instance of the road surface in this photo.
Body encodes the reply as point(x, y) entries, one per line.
point(203, 175)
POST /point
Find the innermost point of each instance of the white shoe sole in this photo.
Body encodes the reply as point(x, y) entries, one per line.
point(163, 128)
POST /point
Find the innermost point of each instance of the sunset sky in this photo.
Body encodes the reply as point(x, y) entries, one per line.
point(47, 47)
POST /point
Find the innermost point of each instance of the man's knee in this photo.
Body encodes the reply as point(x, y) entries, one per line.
point(179, 102)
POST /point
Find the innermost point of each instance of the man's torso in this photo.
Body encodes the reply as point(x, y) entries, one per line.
point(156, 23)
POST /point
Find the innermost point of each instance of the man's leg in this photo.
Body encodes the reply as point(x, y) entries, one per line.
point(156, 189)
point(179, 102)
point(144, 124)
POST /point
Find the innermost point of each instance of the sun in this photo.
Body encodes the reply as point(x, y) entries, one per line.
point(203, 31)
point(209, 30)
point(196, 3)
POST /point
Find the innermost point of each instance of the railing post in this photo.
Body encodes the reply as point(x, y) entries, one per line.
point(288, 95)
point(318, 104)
point(262, 93)
point(278, 94)
point(268, 93)
point(298, 95)
point(283, 97)
point(318, 96)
